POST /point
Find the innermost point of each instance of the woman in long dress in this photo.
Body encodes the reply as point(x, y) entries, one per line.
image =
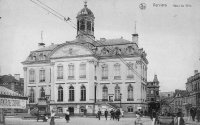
point(67, 116)
point(52, 122)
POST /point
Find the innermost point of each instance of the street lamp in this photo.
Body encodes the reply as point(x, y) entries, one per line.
point(120, 100)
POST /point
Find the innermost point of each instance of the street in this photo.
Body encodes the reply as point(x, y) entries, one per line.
point(76, 121)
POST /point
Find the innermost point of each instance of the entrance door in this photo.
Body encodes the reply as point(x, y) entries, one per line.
point(71, 110)
point(111, 98)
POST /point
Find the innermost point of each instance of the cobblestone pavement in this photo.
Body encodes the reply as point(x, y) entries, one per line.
point(83, 121)
point(77, 121)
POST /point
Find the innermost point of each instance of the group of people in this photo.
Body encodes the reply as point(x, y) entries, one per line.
point(195, 112)
point(52, 121)
point(114, 114)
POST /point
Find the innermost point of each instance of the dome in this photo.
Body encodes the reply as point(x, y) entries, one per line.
point(85, 12)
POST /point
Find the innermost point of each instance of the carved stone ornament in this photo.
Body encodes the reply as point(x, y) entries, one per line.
point(25, 68)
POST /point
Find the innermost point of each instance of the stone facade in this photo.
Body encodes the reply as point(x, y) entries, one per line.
point(153, 90)
point(86, 73)
point(193, 87)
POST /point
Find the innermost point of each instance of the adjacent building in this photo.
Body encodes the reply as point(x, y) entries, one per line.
point(153, 90)
point(193, 87)
point(180, 101)
point(87, 74)
point(14, 83)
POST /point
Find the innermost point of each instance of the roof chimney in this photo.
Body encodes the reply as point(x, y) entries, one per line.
point(103, 39)
point(135, 38)
point(195, 72)
point(17, 76)
point(41, 45)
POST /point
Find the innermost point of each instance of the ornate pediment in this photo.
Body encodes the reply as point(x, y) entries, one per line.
point(71, 50)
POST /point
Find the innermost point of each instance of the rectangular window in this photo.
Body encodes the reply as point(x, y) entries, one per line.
point(60, 72)
point(105, 72)
point(130, 71)
point(42, 75)
point(31, 76)
point(82, 71)
point(71, 72)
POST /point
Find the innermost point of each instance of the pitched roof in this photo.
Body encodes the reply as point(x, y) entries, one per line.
point(114, 41)
point(48, 48)
point(6, 91)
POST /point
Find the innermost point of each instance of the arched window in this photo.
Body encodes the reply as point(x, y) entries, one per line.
point(32, 96)
point(42, 75)
point(31, 75)
point(105, 94)
point(130, 109)
point(117, 93)
point(88, 25)
point(104, 71)
point(83, 93)
point(71, 93)
point(130, 93)
point(82, 24)
point(71, 71)
point(82, 70)
point(60, 94)
point(42, 93)
point(130, 71)
point(117, 71)
point(60, 71)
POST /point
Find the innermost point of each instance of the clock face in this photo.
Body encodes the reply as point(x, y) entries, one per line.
point(71, 50)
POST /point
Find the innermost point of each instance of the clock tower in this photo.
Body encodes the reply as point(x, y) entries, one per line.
point(85, 23)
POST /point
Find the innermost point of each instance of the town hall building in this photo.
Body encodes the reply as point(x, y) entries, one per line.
point(87, 74)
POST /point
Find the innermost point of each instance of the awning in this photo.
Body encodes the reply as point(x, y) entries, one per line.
point(11, 99)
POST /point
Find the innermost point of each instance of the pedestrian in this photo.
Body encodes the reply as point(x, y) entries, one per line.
point(178, 120)
point(138, 120)
point(154, 117)
point(52, 122)
point(106, 114)
point(111, 114)
point(99, 114)
point(193, 113)
point(118, 113)
point(67, 116)
point(198, 114)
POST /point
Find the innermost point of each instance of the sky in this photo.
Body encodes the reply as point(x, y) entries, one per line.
point(169, 35)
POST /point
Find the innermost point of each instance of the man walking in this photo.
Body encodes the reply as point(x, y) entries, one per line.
point(198, 114)
point(193, 113)
point(106, 114)
point(99, 114)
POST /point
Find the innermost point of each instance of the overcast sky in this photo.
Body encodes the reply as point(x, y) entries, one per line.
point(169, 35)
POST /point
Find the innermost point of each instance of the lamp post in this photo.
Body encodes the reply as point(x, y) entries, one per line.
point(120, 100)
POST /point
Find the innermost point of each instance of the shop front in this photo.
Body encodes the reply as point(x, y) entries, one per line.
point(10, 100)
